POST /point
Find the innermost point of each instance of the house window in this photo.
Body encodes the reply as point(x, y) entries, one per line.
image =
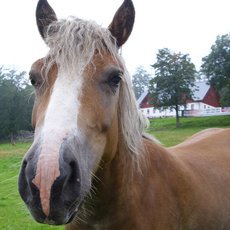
point(147, 111)
point(154, 110)
point(204, 106)
point(192, 106)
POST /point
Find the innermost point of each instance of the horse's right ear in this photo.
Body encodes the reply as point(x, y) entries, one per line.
point(122, 24)
point(44, 16)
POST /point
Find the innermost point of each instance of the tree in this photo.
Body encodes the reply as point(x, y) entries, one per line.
point(15, 108)
point(225, 96)
point(174, 78)
point(140, 81)
point(216, 66)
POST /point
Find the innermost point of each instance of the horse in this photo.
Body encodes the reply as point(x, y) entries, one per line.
point(91, 166)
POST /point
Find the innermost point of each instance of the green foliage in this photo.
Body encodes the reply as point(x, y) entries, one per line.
point(216, 66)
point(15, 102)
point(140, 81)
point(174, 78)
point(225, 96)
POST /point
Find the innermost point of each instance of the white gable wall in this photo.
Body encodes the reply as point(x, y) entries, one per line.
point(152, 112)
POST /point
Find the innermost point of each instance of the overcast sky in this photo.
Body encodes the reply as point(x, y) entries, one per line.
point(188, 26)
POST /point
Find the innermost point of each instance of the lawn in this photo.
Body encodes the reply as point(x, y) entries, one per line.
point(164, 129)
point(13, 213)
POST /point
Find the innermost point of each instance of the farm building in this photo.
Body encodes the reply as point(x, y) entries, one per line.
point(204, 102)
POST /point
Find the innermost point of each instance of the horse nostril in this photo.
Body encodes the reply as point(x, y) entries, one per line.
point(24, 187)
point(73, 172)
point(24, 164)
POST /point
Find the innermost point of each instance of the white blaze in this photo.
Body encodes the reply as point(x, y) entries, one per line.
point(60, 121)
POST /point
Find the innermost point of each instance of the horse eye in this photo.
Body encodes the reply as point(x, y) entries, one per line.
point(115, 79)
point(33, 82)
point(35, 79)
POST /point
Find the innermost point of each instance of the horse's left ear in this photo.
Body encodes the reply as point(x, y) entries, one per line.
point(122, 24)
point(44, 16)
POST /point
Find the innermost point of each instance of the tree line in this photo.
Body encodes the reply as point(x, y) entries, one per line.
point(16, 102)
point(175, 75)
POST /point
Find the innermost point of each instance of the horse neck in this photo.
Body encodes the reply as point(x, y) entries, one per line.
point(122, 184)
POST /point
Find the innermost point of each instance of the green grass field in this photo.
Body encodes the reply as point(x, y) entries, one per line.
point(165, 129)
point(13, 213)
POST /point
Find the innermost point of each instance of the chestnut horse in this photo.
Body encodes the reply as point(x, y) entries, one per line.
point(90, 165)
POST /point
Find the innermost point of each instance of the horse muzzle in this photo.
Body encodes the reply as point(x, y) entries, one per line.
point(52, 195)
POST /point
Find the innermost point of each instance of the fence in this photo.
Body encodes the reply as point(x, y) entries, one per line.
point(207, 112)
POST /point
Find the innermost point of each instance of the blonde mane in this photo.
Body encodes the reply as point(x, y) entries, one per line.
point(73, 43)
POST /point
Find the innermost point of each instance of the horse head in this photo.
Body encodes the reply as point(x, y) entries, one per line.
point(75, 115)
